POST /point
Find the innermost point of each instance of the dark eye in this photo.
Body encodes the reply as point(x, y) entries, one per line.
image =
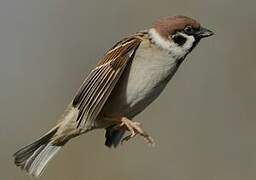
point(188, 29)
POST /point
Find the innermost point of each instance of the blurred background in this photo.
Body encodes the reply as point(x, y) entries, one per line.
point(204, 122)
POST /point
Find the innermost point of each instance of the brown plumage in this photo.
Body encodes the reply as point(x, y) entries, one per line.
point(129, 77)
point(80, 115)
point(169, 25)
point(97, 87)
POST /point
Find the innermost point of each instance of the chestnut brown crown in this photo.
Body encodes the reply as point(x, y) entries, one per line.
point(169, 25)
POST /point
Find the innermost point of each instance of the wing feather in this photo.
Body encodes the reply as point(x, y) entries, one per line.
point(96, 89)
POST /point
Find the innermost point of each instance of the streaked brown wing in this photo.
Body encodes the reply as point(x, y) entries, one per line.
point(95, 90)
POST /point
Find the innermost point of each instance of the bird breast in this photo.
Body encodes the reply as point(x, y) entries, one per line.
point(142, 81)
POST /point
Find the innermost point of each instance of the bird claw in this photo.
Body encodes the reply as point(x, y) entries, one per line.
point(134, 128)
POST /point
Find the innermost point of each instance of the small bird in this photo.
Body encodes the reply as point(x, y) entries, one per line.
point(129, 77)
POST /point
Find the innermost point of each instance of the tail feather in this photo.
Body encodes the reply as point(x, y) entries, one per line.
point(40, 161)
point(33, 158)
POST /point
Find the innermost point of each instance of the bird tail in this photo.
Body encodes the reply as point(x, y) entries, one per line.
point(34, 157)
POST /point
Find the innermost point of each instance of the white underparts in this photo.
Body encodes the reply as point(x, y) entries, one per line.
point(174, 49)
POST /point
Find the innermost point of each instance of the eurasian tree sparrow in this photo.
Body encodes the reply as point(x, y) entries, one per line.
point(126, 80)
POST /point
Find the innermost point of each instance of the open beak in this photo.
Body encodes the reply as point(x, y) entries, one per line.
point(203, 33)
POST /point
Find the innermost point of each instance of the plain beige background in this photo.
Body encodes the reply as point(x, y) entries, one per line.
point(204, 122)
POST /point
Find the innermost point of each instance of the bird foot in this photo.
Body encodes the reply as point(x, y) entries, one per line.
point(134, 128)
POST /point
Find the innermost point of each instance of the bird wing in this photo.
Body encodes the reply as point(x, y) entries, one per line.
point(97, 87)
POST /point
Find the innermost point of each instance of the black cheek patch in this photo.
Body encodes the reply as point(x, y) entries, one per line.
point(180, 40)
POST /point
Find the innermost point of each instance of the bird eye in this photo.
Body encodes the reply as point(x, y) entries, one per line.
point(188, 29)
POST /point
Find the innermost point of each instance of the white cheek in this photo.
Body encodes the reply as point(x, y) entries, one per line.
point(189, 43)
point(174, 49)
point(180, 51)
point(158, 40)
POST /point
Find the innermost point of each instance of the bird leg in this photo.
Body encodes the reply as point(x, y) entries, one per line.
point(134, 128)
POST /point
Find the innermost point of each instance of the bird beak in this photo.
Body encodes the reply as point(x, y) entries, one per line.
point(203, 33)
